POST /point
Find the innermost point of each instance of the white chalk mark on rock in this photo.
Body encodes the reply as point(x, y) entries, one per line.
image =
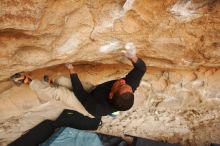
point(70, 45)
point(114, 14)
point(111, 46)
point(128, 5)
point(183, 11)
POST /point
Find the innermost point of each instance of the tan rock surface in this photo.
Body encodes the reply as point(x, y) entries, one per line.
point(179, 97)
point(168, 34)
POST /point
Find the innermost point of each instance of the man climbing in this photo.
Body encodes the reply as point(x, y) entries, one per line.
point(106, 98)
point(111, 96)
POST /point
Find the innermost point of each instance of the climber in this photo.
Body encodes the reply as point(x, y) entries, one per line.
point(106, 98)
point(111, 96)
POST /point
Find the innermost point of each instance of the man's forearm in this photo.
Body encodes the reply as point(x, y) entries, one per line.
point(78, 89)
point(140, 65)
point(134, 77)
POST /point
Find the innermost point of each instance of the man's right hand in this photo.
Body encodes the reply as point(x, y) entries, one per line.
point(130, 52)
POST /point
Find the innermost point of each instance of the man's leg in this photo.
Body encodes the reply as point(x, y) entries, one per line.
point(47, 93)
point(35, 135)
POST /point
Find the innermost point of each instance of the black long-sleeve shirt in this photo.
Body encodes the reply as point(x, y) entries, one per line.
point(96, 102)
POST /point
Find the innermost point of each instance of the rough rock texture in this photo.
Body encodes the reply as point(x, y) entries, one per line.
point(168, 34)
point(179, 98)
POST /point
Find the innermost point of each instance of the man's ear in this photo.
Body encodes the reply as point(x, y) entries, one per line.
point(110, 95)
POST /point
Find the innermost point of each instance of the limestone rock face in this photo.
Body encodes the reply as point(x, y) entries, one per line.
point(168, 34)
point(179, 40)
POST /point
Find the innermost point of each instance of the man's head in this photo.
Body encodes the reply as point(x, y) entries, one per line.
point(121, 95)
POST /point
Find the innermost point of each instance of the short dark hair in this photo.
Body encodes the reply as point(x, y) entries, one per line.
point(123, 102)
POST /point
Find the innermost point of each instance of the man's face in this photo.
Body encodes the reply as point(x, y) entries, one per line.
point(121, 87)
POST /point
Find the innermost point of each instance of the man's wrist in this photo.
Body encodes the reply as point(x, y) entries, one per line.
point(72, 71)
point(134, 59)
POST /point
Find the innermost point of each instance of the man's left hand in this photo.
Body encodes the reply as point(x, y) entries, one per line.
point(70, 67)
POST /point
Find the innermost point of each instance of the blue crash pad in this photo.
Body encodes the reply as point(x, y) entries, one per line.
point(72, 137)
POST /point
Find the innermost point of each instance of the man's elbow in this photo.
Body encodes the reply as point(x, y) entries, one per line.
point(143, 65)
point(144, 68)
